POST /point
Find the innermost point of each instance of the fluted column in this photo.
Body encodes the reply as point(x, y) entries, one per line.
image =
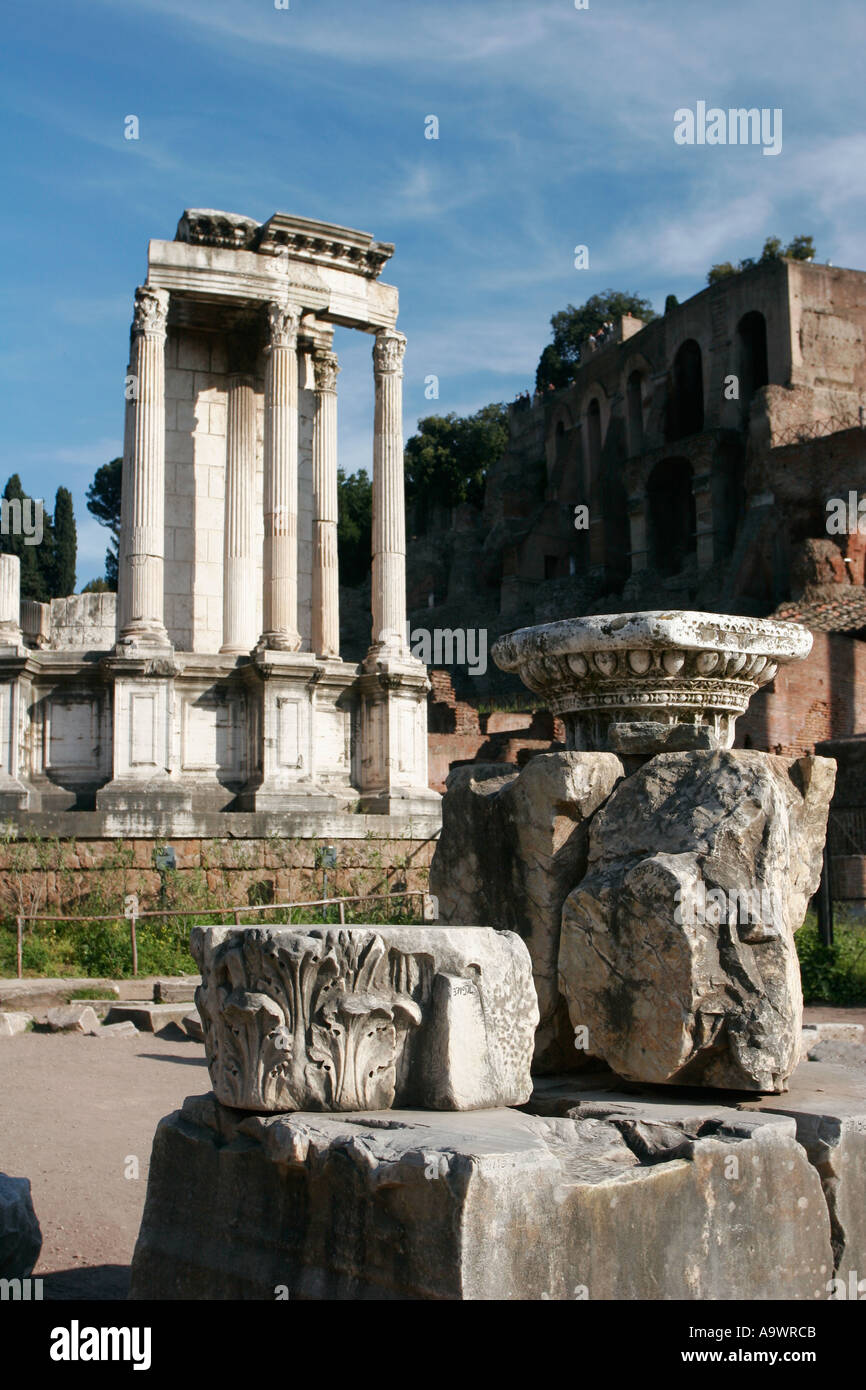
point(143, 539)
point(10, 600)
point(280, 597)
point(239, 566)
point(326, 575)
point(389, 519)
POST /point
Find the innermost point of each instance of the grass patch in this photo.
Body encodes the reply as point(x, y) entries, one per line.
point(833, 974)
point(102, 949)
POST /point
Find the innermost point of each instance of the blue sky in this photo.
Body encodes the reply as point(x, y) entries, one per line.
point(556, 128)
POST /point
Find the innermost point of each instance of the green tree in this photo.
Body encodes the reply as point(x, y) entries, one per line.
point(97, 586)
point(103, 502)
point(571, 328)
point(65, 545)
point(36, 559)
point(448, 458)
point(354, 525)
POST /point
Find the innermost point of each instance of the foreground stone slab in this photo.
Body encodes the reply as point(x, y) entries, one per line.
point(677, 954)
point(319, 1018)
point(179, 990)
point(512, 848)
point(20, 1236)
point(14, 1023)
point(147, 1016)
point(73, 1018)
point(484, 1205)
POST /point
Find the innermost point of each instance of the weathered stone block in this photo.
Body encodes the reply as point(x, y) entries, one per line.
point(73, 1018)
point(677, 950)
point(489, 1205)
point(14, 1023)
point(512, 848)
point(319, 1018)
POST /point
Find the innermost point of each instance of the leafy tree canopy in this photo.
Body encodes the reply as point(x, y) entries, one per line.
point(571, 328)
point(103, 502)
point(354, 525)
point(448, 458)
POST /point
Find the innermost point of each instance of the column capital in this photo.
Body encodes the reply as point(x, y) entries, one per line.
point(283, 323)
point(326, 366)
point(388, 350)
point(151, 311)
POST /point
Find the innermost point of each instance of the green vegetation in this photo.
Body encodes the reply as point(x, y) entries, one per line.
point(103, 502)
point(47, 564)
point(354, 526)
point(833, 974)
point(94, 948)
point(800, 249)
point(447, 460)
point(571, 328)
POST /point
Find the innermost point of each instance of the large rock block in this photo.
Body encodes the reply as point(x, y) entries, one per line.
point(677, 951)
point(489, 1205)
point(512, 848)
point(20, 1236)
point(318, 1018)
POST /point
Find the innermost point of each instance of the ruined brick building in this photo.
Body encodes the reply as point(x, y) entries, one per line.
point(706, 446)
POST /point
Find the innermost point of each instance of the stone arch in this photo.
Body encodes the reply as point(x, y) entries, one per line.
point(752, 366)
point(671, 515)
point(685, 406)
point(634, 411)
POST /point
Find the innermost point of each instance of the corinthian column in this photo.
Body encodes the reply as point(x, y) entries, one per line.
point(389, 519)
point(326, 578)
point(280, 598)
point(143, 534)
point(239, 595)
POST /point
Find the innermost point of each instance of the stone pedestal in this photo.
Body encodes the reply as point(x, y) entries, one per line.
point(606, 1195)
point(392, 770)
point(146, 779)
point(302, 734)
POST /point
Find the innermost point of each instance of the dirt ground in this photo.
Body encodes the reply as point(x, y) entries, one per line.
point(75, 1111)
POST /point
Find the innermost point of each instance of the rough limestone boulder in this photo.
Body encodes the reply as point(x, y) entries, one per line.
point(20, 1236)
point(512, 848)
point(357, 1018)
point(677, 951)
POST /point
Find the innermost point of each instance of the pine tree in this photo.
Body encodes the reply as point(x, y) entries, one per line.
point(13, 542)
point(65, 546)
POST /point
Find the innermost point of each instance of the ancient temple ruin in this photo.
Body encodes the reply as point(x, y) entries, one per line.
point(217, 685)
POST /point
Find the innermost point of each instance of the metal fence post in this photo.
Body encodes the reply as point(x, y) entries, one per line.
point(20, 946)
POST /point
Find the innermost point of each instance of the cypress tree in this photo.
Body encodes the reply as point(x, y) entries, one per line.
point(65, 546)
